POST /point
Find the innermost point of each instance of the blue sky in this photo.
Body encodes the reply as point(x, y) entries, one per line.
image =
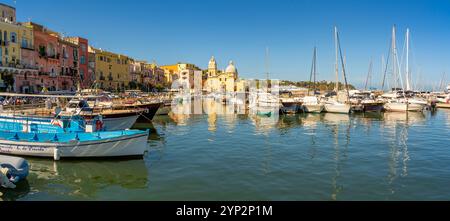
point(170, 31)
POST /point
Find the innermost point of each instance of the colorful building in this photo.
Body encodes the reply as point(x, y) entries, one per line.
point(16, 51)
point(172, 72)
point(221, 81)
point(7, 13)
point(112, 71)
point(85, 77)
point(54, 59)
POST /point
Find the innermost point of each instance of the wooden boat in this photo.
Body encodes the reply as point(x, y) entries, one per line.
point(110, 119)
point(149, 109)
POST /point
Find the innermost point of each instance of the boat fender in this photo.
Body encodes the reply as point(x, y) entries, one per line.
point(99, 124)
point(4, 180)
point(56, 154)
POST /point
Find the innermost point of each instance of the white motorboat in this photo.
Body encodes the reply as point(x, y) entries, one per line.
point(311, 105)
point(397, 106)
point(333, 106)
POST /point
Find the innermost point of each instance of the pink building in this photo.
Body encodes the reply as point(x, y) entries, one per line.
point(85, 76)
point(56, 62)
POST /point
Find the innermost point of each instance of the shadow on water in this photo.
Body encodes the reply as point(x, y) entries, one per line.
point(85, 179)
point(22, 189)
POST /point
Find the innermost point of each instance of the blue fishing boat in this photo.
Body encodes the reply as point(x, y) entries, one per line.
point(124, 143)
point(67, 138)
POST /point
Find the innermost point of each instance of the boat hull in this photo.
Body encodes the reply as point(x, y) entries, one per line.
point(375, 107)
point(126, 146)
point(337, 108)
point(313, 108)
point(150, 110)
point(403, 107)
point(164, 110)
point(443, 105)
point(290, 107)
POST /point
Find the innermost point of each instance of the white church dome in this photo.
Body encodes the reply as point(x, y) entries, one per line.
point(231, 68)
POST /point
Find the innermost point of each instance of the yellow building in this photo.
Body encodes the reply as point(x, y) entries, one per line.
point(171, 72)
point(112, 71)
point(10, 43)
point(7, 13)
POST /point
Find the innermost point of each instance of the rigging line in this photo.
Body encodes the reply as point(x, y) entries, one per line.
point(368, 74)
point(387, 63)
point(310, 76)
point(343, 68)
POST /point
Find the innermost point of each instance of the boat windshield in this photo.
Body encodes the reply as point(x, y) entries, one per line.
point(79, 104)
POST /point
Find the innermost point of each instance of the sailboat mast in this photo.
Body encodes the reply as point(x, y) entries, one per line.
point(382, 70)
point(369, 73)
point(315, 69)
point(408, 86)
point(394, 53)
point(267, 63)
point(343, 69)
point(311, 73)
point(336, 87)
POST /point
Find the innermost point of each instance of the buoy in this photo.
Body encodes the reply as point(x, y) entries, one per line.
point(56, 154)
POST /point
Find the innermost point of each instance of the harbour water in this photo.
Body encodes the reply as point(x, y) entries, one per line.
point(387, 156)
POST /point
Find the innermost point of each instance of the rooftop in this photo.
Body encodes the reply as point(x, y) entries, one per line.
point(9, 6)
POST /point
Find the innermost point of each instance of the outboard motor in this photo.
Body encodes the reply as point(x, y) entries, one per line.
point(14, 168)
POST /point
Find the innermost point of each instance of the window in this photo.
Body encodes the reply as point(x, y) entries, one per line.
point(81, 74)
point(6, 51)
point(83, 48)
point(0, 35)
point(24, 43)
point(82, 59)
point(5, 35)
point(13, 37)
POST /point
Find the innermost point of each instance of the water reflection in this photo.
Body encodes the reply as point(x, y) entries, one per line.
point(85, 179)
point(22, 189)
point(396, 126)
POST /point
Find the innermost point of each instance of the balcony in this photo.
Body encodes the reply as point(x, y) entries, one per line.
point(27, 46)
point(4, 43)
